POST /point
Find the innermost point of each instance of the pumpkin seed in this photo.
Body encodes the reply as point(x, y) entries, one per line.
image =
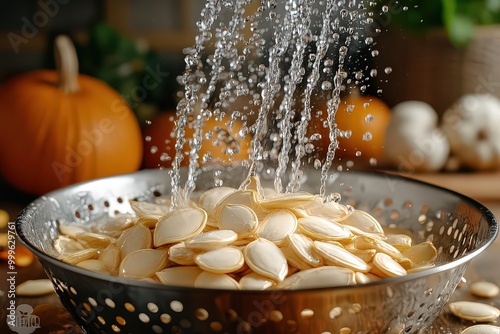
point(331, 210)
point(323, 229)
point(110, 256)
point(367, 242)
point(422, 253)
point(277, 226)
point(481, 329)
point(473, 311)
point(179, 225)
point(266, 259)
point(388, 266)
point(135, 238)
point(94, 240)
point(33, 288)
point(71, 230)
point(210, 198)
point(79, 256)
point(328, 276)
point(143, 263)
point(338, 256)
point(399, 241)
point(215, 281)
point(364, 222)
point(484, 289)
point(363, 278)
point(64, 245)
point(240, 197)
point(180, 254)
point(285, 201)
point(211, 240)
point(254, 281)
point(294, 260)
point(238, 218)
point(179, 276)
point(221, 261)
point(148, 208)
point(304, 248)
point(94, 265)
point(148, 221)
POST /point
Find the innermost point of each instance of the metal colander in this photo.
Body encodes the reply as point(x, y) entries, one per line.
point(459, 227)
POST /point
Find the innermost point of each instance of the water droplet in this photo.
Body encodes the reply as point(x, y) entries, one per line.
point(326, 85)
point(375, 53)
point(373, 73)
point(373, 162)
point(388, 70)
point(367, 136)
point(385, 9)
point(358, 153)
point(359, 75)
point(154, 149)
point(368, 40)
point(369, 118)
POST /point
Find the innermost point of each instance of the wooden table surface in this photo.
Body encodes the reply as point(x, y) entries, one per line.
point(485, 267)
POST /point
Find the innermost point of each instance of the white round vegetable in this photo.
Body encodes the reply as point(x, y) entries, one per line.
point(413, 141)
point(472, 126)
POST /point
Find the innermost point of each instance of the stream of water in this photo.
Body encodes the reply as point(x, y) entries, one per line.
point(278, 57)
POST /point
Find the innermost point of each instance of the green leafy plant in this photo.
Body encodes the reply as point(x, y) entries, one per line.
point(458, 17)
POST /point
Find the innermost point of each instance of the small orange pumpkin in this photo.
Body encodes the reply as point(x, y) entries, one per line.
point(58, 127)
point(159, 142)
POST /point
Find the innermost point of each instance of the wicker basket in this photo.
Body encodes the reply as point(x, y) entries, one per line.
point(430, 69)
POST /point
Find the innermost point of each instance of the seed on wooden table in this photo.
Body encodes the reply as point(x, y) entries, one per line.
point(277, 226)
point(481, 329)
point(179, 225)
point(484, 289)
point(37, 287)
point(473, 311)
point(265, 258)
point(221, 261)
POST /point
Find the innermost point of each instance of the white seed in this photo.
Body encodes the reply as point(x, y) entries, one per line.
point(338, 256)
point(363, 278)
point(331, 210)
point(285, 201)
point(179, 276)
point(419, 268)
point(265, 258)
point(294, 260)
point(481, 329)
point(79, 256)
point(367, 242)
point(254, 281)
point(143, 263)
point(64, 245)
point(474, 311)
point(135, 238)
point(148, 221)
point(148, 208)
point(242, 197)
point(484, 289)
point(179, 225)
point(323, 229)
point(71, 230)
point(212, 240)
point(364, 254)
point(238, 218)
point(210, 198)
point(110, 256)
point(388, 266)
point(399, 241)
point(94, 265)
point(114, 227)
point(364, 222)
point(33, 288)
point(304, 248)
point(422, 253)
point(221, 261)
point(215, 281)
point(180, 254)
point(322, 277)
point(277, 226)
point(94, 240)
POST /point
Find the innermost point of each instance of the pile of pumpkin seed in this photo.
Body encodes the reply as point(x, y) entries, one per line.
point(246, 238)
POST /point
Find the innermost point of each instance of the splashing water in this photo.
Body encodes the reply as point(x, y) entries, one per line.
point(279, 57)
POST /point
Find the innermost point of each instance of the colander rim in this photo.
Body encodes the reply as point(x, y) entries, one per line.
point(492, 221)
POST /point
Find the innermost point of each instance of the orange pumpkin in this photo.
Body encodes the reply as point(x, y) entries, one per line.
point(159, 142)
point(366, 117)
point(59, 127)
